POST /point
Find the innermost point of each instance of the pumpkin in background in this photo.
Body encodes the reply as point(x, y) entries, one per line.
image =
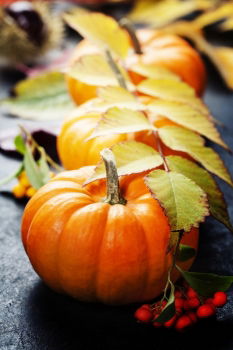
point(169, 51)
point(74, 151)
point(97, 251)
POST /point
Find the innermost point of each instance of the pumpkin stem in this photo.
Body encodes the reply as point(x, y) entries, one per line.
point(113, 187)
point(129, 27)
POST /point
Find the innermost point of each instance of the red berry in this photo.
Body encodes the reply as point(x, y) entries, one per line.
point(209, 301)
point(191, 293)
point(183, 322)
point(205, 310)
point(219, 299)
point(179, 303)
point(179, 312)
point(192, 316)
point(171, 322)
point(143, 315)
point(146, 306)
point(194, 303)
point(178, 294)
point(186, 305)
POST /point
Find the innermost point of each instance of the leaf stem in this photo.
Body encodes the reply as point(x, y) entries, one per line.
point(38, 147)
point(113, 187)
point(128, 26)
point(115, 69)
point(160, 150)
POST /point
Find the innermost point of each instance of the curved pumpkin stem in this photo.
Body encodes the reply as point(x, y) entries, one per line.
point(128, 26)
point(113, 187)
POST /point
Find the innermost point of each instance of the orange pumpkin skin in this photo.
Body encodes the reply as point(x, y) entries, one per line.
point(94, 251)
point(75, 152)
point(169, 51)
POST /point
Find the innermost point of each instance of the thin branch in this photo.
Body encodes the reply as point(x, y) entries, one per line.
point(115, 69)
point(129, 27)
point(159, 147)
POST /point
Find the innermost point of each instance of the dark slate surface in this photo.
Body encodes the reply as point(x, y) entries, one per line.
point(32, 317)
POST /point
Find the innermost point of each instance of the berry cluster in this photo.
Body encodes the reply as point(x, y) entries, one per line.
point(23, 188)
point(189, 308)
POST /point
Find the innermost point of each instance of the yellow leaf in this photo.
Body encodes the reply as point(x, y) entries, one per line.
point(172, 90)
point(159, 13)
point(215, 15)
point(95, 70)
point(131, 157)
point(154, 72)
point(121, 121)
point(188, 117)
point(102, 30)
point(187, 141)
point(227, 24)
point(115, 96)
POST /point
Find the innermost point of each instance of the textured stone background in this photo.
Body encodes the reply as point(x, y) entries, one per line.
point(32, 317)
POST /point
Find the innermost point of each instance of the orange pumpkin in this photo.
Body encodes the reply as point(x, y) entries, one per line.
point(97, 250)
point(75, 152)
point(169, 51)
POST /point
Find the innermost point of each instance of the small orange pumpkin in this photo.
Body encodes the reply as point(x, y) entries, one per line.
point(112, 251)
point(169, 51)
point(75, 152)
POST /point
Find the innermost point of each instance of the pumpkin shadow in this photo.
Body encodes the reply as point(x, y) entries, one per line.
point(57, 322)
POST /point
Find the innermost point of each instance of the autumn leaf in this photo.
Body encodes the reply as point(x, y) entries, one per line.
point(95, 70)
point(160, 13)
point(121, 121)
point(187, 141)
point(188, 117)
point(202, 178)
point(171, 90)
point(154, 71)
point(215, 15)
point(131, 157)
point(116, 96)
point(102, 30)
point(184, 202)
point(44, 97)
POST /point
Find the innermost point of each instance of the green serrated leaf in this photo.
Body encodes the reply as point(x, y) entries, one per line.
point(217, 204)
point(20, 144)
point(131, 157)
point(206, 284)
point(184, 202)
point(174, 91)
point(121, 121)
point(43, 166)
point(188, 117)
point(187, 141)
point(44, 97)
point(169, 310)
point(185, 252)
point(32, 169)
point(10, 177)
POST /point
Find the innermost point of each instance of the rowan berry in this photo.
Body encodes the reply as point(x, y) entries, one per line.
point(187, 305)
point(205, 310)
point(219, 299)
point(183, 322)
point(143, 315)
point(18, 191)
point(192, 316)
point(179, 303)
point(30, 192)
point(178, 294)
point(193, 302)
point(191, 293)
point(171, 322)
